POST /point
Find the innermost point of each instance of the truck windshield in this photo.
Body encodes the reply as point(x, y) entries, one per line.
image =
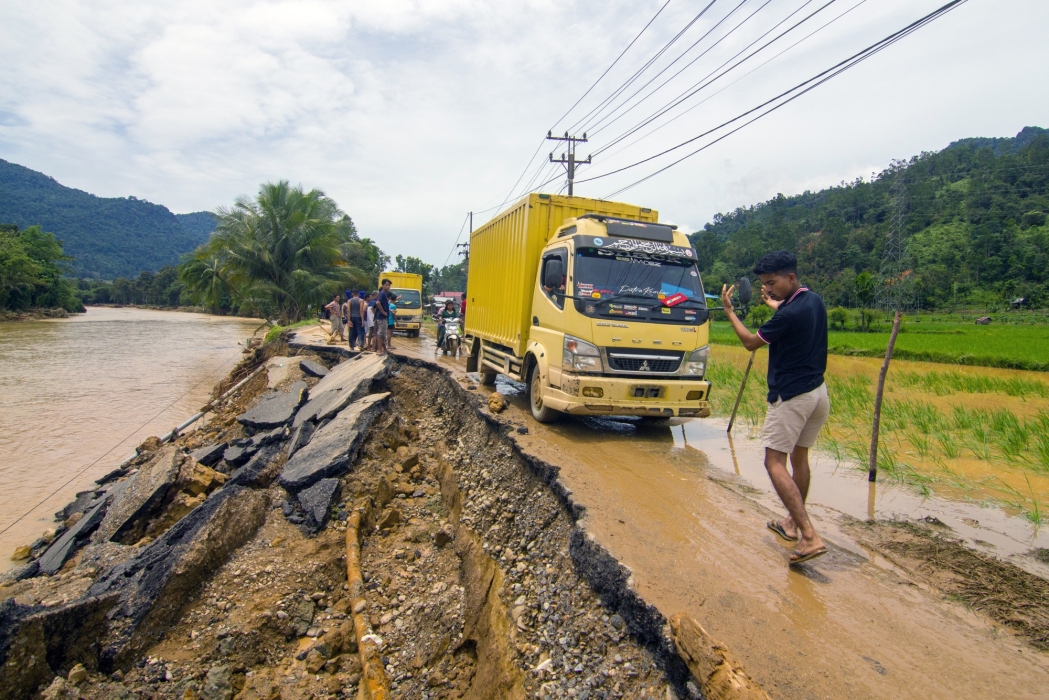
point(613, 284)
point(408, 298)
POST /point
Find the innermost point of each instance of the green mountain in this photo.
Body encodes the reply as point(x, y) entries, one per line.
point(107, 237)
point(975, 227)
point(198, 224)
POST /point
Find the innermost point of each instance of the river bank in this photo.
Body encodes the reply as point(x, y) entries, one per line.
point(32, 315)
point(78, 394)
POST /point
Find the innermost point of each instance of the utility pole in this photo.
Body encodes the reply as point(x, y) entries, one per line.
point(568, 158)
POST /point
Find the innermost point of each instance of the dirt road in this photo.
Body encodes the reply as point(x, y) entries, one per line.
point(850, 625)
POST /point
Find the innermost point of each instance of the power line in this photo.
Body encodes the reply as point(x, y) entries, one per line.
point(510, 196)
point(581, 123)
point(750, 72)
point(610, 67)
point(597, 128)
point(467, 218)
point(706, 81)
point(812, 83)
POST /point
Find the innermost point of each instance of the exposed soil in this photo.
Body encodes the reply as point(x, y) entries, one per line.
point(478, 581)
point(1003, 591)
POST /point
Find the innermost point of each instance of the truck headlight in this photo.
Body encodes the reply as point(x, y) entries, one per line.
point(580, 356)
point(697, 361)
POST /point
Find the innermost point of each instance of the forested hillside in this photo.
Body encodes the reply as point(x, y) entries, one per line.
point(198, 224)
point(106, 237)
point(976, 228)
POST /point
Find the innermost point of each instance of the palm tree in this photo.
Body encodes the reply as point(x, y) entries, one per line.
point(283, 253)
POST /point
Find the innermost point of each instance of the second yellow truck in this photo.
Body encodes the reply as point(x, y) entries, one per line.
point(594, 305)
point(409, 290)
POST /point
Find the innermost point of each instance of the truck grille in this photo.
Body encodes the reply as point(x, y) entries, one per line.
point(644, 361)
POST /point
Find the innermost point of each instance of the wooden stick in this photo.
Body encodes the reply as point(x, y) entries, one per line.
point(374, 684)
point(740, 394)
point(872, 475)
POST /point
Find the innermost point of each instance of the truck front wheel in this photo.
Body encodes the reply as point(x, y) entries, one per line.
point(487, 376)
point(540, 411)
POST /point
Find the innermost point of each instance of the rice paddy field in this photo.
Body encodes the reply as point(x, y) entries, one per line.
point(930, 340)
point(976, 433)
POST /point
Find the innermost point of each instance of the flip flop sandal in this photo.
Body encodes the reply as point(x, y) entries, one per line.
point(797, 558)
point(777, 527)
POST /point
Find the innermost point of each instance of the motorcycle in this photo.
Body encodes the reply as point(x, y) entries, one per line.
point(452, 336)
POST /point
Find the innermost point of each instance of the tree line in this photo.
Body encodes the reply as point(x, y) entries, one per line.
point(32, 266)
point(975, 226)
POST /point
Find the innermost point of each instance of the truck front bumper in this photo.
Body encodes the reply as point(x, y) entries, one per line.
point(406, 326)
point(582, 394)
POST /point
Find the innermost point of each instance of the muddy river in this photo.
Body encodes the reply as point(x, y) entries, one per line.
point(78, 394)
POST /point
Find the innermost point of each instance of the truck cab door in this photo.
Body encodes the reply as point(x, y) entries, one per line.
point(548, 312)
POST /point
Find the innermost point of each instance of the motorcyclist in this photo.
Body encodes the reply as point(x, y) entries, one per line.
point(448, 312)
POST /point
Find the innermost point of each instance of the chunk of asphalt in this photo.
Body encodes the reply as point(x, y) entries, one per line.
point(154, 585)
point(117, 473)
point(254, 473)
point(316, 503)
point(78, 505)
point(345, 383)
point(268, 438)
point(36, 641)
point(23, 572)
point(275, 409)
point(59, 552)
point(299, 437)
point(239, 456)
point(139, 497)
point(314, 369)
point(332, 449)
point(210, 455)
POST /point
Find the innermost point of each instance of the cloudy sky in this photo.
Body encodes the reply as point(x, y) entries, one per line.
point(411, 113)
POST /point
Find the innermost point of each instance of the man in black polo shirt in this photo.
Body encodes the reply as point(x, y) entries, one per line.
point(798, 403)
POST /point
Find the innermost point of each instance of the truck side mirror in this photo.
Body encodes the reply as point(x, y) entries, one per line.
point(745, 291)
point(553, 274)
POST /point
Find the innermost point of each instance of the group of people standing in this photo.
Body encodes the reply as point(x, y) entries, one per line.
point(367, 318)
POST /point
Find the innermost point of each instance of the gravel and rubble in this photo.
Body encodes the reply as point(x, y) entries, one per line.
point(470, 560)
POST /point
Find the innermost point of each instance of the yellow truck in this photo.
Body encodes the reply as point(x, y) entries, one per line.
point(409, 290)
point(594, 305)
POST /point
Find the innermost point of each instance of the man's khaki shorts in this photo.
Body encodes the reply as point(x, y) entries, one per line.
point(797, 421)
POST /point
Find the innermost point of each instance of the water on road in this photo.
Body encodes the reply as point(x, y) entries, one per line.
point(684, 508)
point(77, 396)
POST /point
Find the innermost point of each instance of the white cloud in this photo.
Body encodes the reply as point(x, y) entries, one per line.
point(411, 112)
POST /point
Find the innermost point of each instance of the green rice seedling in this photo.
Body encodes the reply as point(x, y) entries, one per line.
point(925, 417)
point(964, 419)
point(1033, 514)
point(948, 445)
point(978, 446)
point(1003, 421)
point(1041, 449)
point(921, 443)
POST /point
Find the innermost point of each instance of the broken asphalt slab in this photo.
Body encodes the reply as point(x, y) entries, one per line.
point(51, 561)
point(332, 449)
point(316, 503)
point(275, 409)
point(346, 382)
point(210, 455)
point(154, 586)
point(140, 496)
point(38, 643)
point(314, 369)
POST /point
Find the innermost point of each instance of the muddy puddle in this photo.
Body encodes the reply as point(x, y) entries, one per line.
point(685, 509)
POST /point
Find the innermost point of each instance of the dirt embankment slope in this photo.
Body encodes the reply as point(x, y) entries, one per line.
point(229, 579)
